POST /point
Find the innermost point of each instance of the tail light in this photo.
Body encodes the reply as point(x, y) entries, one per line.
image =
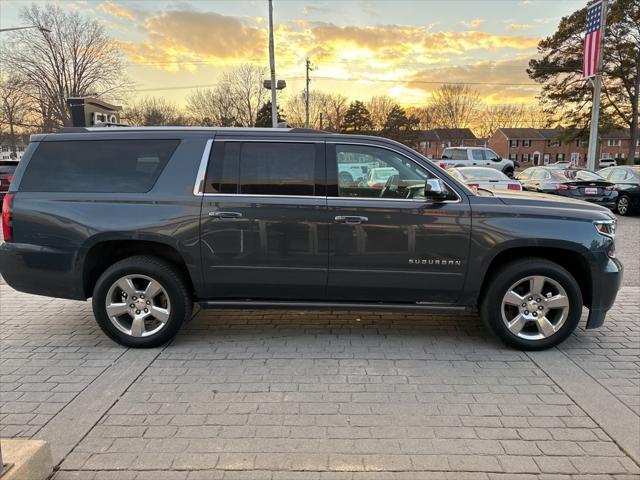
point(514, 186)
point(473, 185)
point(443, 165)
point(7, 229)
point(564, 186)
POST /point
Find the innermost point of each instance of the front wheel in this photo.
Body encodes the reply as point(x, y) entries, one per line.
point(532, 304)
point(623, 205)
point(508, 172)
point(141, 301)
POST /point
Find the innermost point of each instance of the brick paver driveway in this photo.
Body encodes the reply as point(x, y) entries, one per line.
point(339, 395)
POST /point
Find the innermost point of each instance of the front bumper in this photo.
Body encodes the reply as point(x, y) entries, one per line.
point(604, 289)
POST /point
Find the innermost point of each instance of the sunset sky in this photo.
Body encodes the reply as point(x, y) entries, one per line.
point(361, 47)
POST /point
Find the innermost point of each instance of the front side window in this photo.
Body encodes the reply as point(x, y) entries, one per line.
point(262, 168)
point(98, 166)
point(390, 174)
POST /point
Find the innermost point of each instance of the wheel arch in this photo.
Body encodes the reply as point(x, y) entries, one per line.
point(105, 252)
point(574, 261)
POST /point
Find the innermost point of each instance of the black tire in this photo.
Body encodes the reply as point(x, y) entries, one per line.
point(625, 209)
point(499, 285)
point(508, 172)
point(170, 278)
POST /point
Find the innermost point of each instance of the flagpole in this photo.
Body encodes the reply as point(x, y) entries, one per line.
point(597, 92)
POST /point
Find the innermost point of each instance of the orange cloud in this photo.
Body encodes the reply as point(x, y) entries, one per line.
point(396, 36)
point(508, 78)
point(191, 37)
point(116, 10)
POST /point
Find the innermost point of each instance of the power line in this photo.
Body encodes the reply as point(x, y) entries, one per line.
point(383, 80)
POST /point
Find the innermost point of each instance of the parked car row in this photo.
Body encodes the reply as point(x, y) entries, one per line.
point(615, 187)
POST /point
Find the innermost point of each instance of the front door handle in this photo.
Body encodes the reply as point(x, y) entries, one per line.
point(351, 220)
point(225, 214)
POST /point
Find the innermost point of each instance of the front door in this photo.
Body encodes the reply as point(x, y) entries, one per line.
point(387, 243)
point(264, 230)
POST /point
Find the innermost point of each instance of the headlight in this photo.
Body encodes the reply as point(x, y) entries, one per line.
point(606, 227)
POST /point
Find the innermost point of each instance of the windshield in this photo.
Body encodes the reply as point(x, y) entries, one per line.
point(577, 175)
point(482, 174)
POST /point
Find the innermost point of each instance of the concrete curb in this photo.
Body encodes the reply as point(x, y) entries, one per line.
point(31, 459)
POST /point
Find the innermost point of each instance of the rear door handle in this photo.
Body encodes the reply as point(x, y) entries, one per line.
point(351, 220)
point(225, 214)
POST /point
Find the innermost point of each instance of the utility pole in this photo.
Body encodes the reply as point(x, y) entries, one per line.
point(597, 92)
point(306, 93)
point(272, 65)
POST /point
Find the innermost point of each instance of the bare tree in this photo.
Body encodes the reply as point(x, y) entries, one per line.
point(492, 117)
point(455, 104)
point(154, 111)
point(14, 108)
point(213, 107)
point(330, 106)
point(244, 86)
point(428, 117)
point(77, 58)
point(379, 107)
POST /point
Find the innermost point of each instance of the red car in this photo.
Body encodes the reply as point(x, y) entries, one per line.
point(7, 167)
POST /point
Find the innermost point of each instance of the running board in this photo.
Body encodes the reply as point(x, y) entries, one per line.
point(284, 305)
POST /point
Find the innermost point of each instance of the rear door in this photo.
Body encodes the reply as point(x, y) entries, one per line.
point(388, 243)
point(264, 224)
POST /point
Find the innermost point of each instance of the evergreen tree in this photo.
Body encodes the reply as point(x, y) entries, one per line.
point(357, 118)
point(263, 117)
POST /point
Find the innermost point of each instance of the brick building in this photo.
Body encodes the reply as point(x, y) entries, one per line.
point(432, 142)
point(615, 144)
point(541, 146)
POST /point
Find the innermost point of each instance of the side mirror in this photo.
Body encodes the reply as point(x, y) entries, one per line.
point(435, 190)
point(496, 159)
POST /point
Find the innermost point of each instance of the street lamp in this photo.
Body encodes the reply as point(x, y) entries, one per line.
point(42, 29)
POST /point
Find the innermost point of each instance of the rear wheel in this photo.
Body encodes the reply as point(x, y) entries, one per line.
point(141, 301)
point(623, 205)
point(532, 304)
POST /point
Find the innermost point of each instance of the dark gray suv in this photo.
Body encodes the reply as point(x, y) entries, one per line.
point(148, 221)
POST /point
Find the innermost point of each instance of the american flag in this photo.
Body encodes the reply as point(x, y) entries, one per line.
point(592, 41)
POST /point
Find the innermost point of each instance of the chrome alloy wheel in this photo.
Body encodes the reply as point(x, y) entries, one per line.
point(623, 205)
point(138, 305)
point(535, 307)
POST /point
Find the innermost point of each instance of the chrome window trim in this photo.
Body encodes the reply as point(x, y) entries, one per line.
point(198, 188)
point(259, 195)
point(258, 140)
point(459, 200)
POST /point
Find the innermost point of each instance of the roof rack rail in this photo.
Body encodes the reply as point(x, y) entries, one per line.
point(307, 130)
point(87, 129)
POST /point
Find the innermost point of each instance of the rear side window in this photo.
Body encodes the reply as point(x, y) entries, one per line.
point(100, 166)
point(455, 154)
point(263, 168)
